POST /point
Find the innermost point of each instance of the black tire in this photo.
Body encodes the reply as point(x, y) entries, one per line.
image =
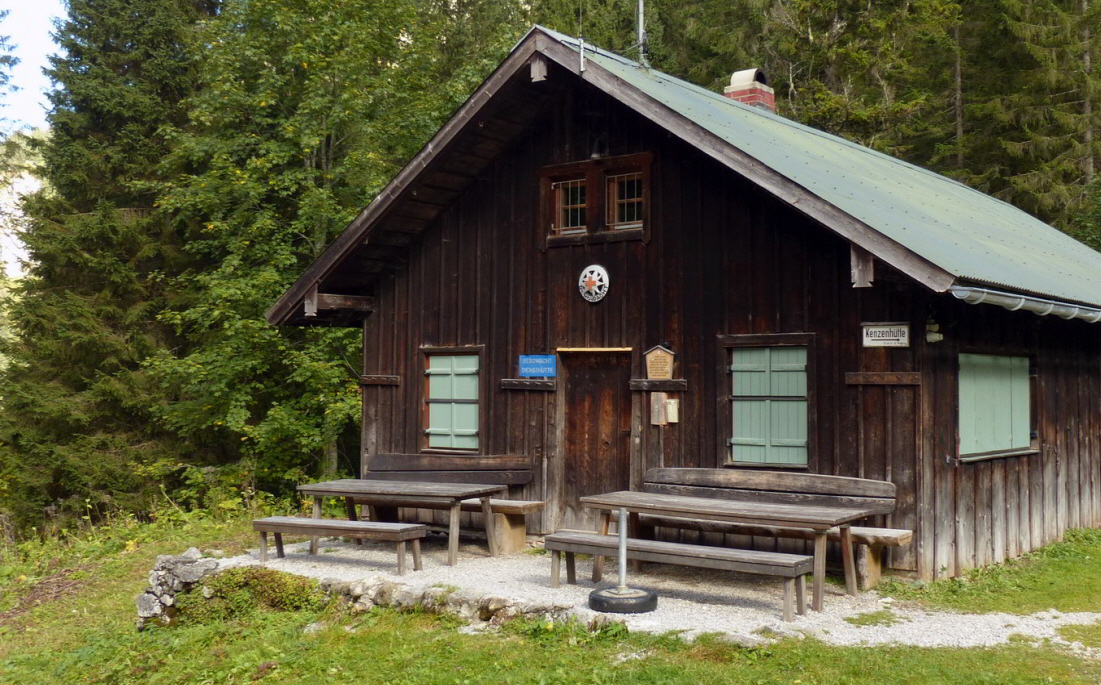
point(608, 602)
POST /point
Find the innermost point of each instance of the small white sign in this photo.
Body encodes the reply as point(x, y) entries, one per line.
point(886, 334)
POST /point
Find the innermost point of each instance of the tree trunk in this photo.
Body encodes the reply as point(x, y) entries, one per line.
point(1087, 99)
point(329, 461)
point(957, 97)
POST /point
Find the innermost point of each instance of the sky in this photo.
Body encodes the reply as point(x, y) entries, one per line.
point(28, 27)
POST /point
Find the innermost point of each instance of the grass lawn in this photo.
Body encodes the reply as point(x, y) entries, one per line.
point(87, 635)
point(1065, 576)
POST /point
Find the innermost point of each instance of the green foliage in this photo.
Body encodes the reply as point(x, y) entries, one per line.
point(237, 593)
point(1061, 576)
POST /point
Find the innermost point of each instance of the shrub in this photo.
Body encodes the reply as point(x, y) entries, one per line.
point(239, 592)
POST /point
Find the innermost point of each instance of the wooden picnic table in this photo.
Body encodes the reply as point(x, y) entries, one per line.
point(409, 493)
point(814, 517)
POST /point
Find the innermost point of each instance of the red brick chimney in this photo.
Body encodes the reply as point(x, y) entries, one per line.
point(750, 86)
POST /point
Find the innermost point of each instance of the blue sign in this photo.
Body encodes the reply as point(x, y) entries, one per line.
point(538, 366)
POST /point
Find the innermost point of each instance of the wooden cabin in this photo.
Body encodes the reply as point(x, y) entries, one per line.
point(807, 305)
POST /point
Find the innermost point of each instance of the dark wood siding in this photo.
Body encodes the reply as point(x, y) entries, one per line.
point(725, 258)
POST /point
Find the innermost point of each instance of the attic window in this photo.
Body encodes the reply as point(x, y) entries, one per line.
point(571, 208)
point(596, 200)
point(625, 201)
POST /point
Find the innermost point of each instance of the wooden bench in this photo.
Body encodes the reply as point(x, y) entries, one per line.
point(398, 533)
point(509, 516)
point(793, 568)
point(778, 486)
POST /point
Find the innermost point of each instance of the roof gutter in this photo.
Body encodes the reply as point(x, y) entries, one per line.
point(1036, 305)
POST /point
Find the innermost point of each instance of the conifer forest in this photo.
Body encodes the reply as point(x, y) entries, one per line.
point(201, 153)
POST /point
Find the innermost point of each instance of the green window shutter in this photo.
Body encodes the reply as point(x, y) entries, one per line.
point(994, 409)
point(769, 405)
point(453, 401)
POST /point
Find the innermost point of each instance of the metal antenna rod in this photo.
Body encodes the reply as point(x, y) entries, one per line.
point(642, 58)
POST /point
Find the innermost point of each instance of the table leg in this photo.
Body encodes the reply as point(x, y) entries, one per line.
point(602, 529)
point(847, 558)
point(316, 515)
point(819, 569)
point(279, 545)
point(417, 565)
point(453, 535)
point(350, 505)
point(487, 514)
point(263, 547)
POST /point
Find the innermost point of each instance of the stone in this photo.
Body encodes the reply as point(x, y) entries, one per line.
point(312, 628)
point(168, 600)
point(193, 554)
point(216, 553)
point(405, 596)
point(194, 572)
point(490, 606)
point(207, 592)
point(362, 606)
point(383, 593)
point(149, 605)
point(357, 589)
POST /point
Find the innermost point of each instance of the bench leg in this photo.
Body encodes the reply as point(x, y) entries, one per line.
point(401, 558)
point(556, 568)
point(278, 545)
point(263, 548)
point(847, 559)
point(571, 569)
point(350, 506)
point(417, 565)
point(819, 569)
point(453, 536)
point(511, 531)
point(789, 588)
point(801, 595)
point(869, 565)
point(601, 529)
point(316, 515)
point(487, 514)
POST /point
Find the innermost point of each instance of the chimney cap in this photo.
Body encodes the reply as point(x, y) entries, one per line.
point(747, 77)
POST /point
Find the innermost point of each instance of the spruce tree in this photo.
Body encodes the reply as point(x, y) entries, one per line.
point(75, 435)
point(1050, 109)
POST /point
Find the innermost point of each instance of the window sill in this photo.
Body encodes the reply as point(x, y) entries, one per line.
point(1003, 454)
point(759, 465)
point(591, 238)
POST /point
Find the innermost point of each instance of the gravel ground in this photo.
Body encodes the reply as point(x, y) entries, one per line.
point(743, 608)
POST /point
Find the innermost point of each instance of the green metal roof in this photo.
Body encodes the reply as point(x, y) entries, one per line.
point(975, 237)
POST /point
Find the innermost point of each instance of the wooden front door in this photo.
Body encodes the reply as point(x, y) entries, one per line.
point(595, 455)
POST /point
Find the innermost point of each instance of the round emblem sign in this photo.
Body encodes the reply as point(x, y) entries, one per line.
point(593, 283)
